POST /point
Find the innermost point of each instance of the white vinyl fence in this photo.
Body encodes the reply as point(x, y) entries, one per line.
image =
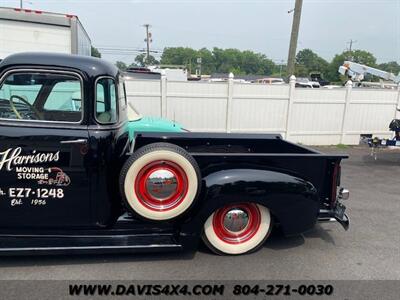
point(308, 116)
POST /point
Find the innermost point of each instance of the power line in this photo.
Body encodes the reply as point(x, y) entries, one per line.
point(124, 47)
point(126, 50)
point(121, 49)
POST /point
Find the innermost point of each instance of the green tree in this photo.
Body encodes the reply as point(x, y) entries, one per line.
point(228, 60)
point(141, 60)
point(301, 71)
point(242, 62)
point(308, 61)
point(392, 67)
point(358, 56)
point(207, 61)
point(121, 65)
point(95, 52)
point(220, 60)
point(280, 71)
point(256, 63)
point(180, 56)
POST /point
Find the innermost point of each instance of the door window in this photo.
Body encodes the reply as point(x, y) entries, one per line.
point(41, 96)
point(122, 92)
point(106, 101)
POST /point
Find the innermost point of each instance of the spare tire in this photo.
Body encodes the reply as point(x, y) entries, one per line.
point(160, 181)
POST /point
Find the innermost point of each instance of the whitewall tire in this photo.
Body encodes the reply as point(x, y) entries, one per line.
point(160, 181)
point(237, 228)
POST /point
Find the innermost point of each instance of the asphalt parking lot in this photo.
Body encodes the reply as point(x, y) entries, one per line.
point(369, 250)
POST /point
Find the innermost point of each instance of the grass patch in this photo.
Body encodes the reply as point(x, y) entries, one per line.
point(342, 146)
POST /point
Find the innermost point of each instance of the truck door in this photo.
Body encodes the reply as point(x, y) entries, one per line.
point(44, 177)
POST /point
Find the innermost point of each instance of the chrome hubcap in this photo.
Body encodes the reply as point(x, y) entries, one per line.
point(236, 220)
point(161, 184)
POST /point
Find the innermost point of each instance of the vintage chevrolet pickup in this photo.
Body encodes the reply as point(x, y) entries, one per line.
point(81, 171)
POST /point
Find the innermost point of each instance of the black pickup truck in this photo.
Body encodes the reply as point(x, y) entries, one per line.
point(77, 173)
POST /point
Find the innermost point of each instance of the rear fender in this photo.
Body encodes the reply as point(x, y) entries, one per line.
point(291, 200)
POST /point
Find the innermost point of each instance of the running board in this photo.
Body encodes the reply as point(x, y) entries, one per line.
point(86, 244)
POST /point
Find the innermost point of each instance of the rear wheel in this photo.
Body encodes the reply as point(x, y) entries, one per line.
point(237, 228)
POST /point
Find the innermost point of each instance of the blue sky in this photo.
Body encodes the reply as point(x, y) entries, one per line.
point(262, 26)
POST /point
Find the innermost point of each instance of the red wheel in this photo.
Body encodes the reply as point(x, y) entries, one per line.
point(160, 181)
point(237, 228)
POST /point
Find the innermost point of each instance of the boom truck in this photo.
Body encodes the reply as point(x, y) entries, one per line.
point(357, 72)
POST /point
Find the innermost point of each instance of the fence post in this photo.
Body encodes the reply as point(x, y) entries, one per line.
point(292, 86)
point(349, 87)
point(163, 91)
point(229, 103)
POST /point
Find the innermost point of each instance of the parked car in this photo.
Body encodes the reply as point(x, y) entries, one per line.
point(332, 86)
point(304, 82)
point(271, 80)
point(80, 171)
point(317, 77)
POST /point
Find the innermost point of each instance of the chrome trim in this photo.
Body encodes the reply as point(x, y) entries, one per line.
point(71, 73)
point(345, 222)
point(78, 141)
point(22, 235)
point(344, 194)
point(161, 184)
point(89, 247)
point(326, 219)
point(236, 220)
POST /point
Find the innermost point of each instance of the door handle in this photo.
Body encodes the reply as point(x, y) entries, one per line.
point(78, 141)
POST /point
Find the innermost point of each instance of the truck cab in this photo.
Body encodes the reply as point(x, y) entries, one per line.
point(70, 112)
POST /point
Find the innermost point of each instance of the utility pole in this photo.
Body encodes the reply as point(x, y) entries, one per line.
point(351, 44)
point(198, 71)
point(280, 68)
point(350, 49)
point(21, 3)
point(294, 36)
point(148, 40)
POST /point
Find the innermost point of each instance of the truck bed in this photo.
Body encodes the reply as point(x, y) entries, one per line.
point(229, 143)
point(214, 151)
